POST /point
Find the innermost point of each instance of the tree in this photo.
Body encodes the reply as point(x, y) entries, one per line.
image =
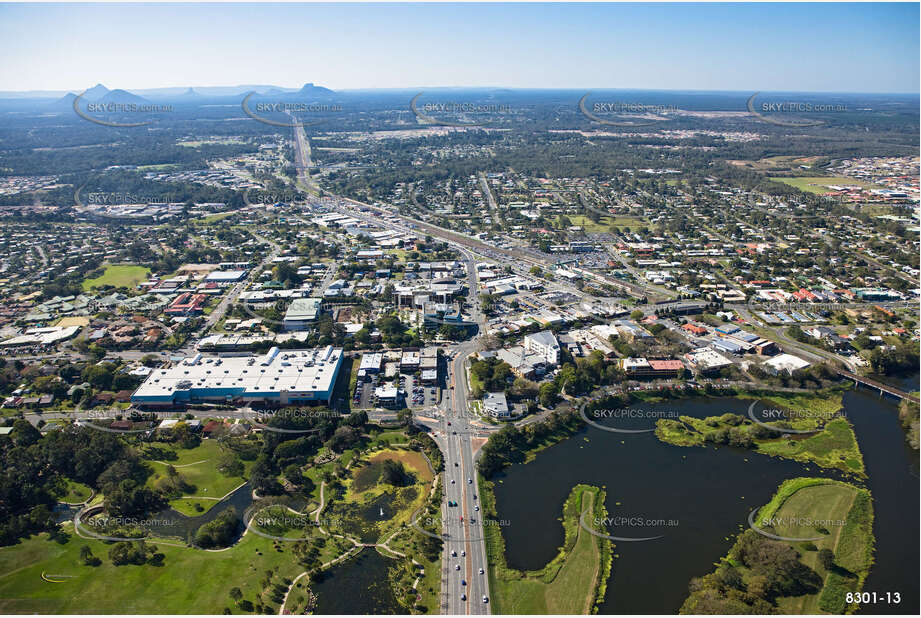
point(394, 473)
point(219, 532)
point(343, 438)
point(547, 394)
point(405, 416)
point(99, 376)
point(24, 433)
point(826, 558)
point(87, 557)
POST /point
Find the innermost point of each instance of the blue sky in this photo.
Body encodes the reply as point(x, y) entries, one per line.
point(768, 47)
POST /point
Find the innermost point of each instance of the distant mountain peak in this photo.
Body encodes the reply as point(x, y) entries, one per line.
point(96, 92)
point(310, 88)
point(121, 96)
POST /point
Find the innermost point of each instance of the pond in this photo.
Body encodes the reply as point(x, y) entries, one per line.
point(357, 586)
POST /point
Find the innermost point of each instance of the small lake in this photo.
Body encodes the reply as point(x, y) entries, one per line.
point(171, 523)
point(697, 498)
point(357, 586)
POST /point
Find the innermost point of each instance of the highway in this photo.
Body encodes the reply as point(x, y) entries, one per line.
point(518, 260)
point(462, 525)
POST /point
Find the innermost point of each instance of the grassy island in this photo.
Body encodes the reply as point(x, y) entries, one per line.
point(826, 552)
point(816, 434)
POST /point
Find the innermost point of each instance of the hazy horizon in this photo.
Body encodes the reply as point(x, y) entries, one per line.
point(826, 47)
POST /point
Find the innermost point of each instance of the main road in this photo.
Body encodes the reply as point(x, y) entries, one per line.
point(466, 572)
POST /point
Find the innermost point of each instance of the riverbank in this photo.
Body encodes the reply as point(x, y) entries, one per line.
point(513, 444)
point(573, 582)
point(809, 546)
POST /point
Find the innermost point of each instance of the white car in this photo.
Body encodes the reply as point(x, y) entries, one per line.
point(457, 567)
point(485, 600)
point(482, 571)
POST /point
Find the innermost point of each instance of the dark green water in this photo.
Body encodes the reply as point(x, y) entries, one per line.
point(696, 498)
point(357, 586)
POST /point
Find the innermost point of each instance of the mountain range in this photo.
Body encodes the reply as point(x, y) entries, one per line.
point(97, 92)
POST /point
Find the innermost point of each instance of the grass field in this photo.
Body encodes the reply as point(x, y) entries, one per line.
point(819, 184)
point(604, 223)
point(158, 167)
point(192, 581)
point(805, 508)
point(778, 163)
point(198, 466)
point(572, 583)
point(118, 275)
point(213, 218)
point(847, 515)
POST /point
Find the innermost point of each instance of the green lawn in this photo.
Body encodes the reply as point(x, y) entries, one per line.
point(74, 492)
point(118, 275)
point(198, 466)
point(849, 537)
point(604, 223)
point(158, 167)
point(819, 184)
point(572, 583)
point(192, 581)
point(213, 218)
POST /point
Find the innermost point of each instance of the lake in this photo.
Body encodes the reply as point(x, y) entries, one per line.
point(697, 498)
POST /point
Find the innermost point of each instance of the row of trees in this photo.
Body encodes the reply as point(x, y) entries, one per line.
point(512, 443)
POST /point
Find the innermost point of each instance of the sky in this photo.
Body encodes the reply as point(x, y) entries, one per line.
point(824, 47)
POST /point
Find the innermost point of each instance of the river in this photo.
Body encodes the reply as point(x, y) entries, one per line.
point(696, 499)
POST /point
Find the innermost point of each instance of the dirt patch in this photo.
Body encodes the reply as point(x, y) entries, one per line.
point(411, 459)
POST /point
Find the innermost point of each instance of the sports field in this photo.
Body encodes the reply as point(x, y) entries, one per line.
point(118, 275)
point(820, 184)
